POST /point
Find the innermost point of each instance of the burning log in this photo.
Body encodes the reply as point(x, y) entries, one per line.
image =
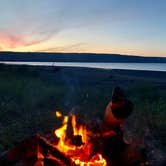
point(33, 150)
point(77, 140)
point(46, 146)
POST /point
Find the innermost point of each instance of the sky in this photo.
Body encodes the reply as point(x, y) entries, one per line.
point(133, 27)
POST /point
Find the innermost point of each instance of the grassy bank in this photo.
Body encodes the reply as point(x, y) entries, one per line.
point(29, 97)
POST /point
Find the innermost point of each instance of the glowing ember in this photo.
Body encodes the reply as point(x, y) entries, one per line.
point(58, 114)
point(97, 160)
point(79, 154)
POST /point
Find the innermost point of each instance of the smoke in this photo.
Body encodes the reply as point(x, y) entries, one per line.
point(73, 86)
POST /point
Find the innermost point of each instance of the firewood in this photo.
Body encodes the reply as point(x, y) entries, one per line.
point(37, 151)
point(46, 146)
point(52, 161)
point(28, 150)
point(24, 150)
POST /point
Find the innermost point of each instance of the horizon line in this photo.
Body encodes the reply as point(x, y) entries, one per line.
point(47, 52)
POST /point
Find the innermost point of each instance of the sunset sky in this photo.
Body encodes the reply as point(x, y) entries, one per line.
point(134, 27)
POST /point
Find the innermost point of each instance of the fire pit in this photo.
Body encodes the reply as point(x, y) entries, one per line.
point(77, 147)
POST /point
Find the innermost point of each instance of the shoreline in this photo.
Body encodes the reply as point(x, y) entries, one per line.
point(80, 68)
point(100, 75)
point(113, 66)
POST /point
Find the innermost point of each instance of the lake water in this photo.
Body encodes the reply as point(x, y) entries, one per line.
point(129, 66)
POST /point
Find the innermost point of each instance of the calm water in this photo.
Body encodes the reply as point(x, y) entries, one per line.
point(130, 66)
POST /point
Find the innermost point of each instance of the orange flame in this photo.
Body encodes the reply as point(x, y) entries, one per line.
point(61, 134)
point(79, 131)
point(97, 160)
point(78, 154)
point(58, 114)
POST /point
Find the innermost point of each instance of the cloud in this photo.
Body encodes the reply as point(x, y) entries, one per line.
point(39, 40)
point(14, 39)
point(10, 41)
point(35, 28)
point(67, 48)
point(39, 27)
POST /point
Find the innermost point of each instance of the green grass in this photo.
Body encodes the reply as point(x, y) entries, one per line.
point(29, 97)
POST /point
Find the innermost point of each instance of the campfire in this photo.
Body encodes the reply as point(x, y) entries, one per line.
point(72, 144)
point(78, 145)
point(69, 145)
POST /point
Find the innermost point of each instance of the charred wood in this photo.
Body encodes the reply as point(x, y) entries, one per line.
point(29, 149)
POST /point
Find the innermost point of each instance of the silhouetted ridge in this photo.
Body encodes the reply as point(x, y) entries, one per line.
point(77, 57)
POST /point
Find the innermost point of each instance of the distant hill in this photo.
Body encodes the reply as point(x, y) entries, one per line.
point(77, 57)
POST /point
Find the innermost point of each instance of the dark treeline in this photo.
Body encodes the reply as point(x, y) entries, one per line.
point(77, 57)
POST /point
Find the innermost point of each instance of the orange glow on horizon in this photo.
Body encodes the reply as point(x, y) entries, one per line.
point(10, 42)
point(122, 52)
point(17, 44)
